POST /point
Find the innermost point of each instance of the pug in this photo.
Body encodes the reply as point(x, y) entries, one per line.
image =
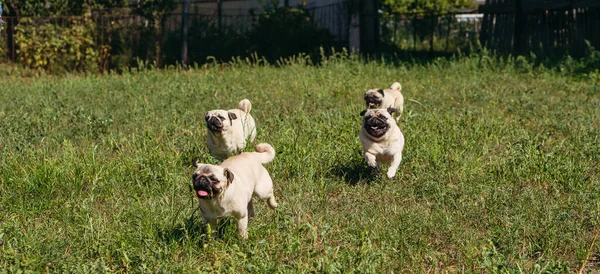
point(226, 190)
point(379, 98)
point(229, 130)
point(381, 139)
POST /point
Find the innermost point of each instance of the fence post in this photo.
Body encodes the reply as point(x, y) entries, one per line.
point(433, 26)
point(219, 14)
point(519, 25)
point(414, 25)
point(448, 33)
point(185, 16)
point(1, 18)
point(10, 37)
point(354, 29)
point(369, 25)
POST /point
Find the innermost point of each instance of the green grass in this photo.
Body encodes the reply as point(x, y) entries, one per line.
point(500, 171)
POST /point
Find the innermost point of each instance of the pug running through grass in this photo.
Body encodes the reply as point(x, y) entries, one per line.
point(229, 130)
point(392, 97)
point(381, 139)
point(226, 190)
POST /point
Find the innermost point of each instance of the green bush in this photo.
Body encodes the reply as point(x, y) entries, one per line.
point(206, 41)
point(56, 48)
point(286, 31)
point(278, 33)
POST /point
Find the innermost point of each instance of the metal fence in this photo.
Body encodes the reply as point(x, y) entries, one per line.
point(335, 18)
point(431, 32)
point(126, 37)
point(7, 44)
point(123, 38)
point(510, 26)
point(558, 26)
point(125, 33)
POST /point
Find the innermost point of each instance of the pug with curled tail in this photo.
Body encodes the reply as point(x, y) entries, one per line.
point(230, 130)
point(226, 190)
point(381, 139)
point(386, 98)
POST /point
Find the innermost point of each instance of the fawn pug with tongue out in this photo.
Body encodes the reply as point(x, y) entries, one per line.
point(381, 139)
point(229, 130)
point(226, 190)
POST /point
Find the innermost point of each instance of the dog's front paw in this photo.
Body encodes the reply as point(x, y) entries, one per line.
point(391, 173)
point(373, 164)
point(371, 160)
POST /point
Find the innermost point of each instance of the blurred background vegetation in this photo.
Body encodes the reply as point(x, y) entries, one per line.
point(57, 36)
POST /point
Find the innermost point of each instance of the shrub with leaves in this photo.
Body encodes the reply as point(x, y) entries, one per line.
point(56, 48)
point(286, 31)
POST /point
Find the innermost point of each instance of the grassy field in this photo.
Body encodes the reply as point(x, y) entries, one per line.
point(500, 171)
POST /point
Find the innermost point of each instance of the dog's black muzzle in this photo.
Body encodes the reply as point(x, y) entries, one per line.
point(214, 124)
point(203, 186)
point(373, 101)
point(376, 126)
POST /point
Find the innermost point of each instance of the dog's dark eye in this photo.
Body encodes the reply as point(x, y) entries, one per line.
point(222, 118)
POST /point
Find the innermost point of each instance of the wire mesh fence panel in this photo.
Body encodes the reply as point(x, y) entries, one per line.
point(542, 27)
point(7, 41)
point(422, 32)
point(122, 38)
point(333, 17)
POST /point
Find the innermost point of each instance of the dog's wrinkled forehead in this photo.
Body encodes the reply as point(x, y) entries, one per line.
point(210, 171)
point(375, 94)
point(380, 113)
point(217, 113)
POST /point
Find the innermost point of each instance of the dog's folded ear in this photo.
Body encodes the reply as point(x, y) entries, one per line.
point(229, 175)
point(391, 110)
point(196, 163)
point(362, 113)
point(232, 115)
point(381, 91)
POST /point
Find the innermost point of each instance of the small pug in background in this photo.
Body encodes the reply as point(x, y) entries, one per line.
point(226, 190)
point(229, 130)
point(381, 139)
point(379, 98)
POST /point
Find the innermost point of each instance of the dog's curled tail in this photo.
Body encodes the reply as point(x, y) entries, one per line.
point(266, 152)
point(396, 86)
point(245, 105)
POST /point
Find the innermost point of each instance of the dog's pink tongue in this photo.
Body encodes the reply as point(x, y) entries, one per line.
point(202, 193)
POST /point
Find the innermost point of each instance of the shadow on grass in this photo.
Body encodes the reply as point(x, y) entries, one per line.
point(192, 230)
point(355, 172)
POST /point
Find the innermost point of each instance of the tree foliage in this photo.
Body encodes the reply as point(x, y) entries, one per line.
point(425, 6)
point(57, 7)
point(154, 9)
point(57, 48)
point(285, 31)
